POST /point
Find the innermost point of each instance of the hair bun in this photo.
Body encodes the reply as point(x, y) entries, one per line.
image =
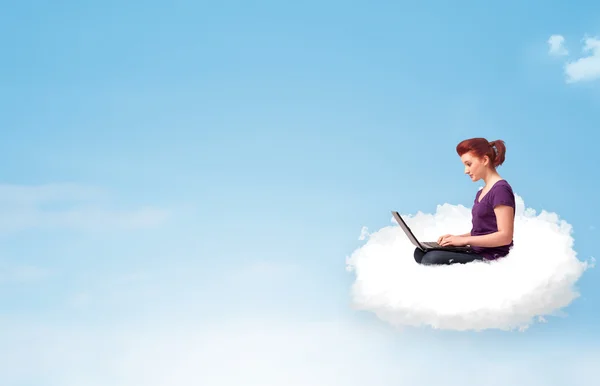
point(495, 150)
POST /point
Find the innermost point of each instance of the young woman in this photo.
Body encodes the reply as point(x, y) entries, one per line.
point(493, 212)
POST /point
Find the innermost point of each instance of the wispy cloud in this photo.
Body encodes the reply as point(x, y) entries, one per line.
point(586, 68)
point(22, 273)
point(364, 233)
point(36, 194)
point(267, 352)
point(68, 206)
point(583, 69)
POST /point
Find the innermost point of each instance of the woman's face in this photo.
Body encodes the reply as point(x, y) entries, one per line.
point(474, 167)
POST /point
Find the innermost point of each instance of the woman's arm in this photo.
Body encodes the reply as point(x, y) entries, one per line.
point(504, 235)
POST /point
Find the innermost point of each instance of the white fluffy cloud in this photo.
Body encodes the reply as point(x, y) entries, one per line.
point(537, 278)
point(556, 43)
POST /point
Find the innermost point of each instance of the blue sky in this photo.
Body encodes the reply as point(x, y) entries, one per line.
point(195, 165)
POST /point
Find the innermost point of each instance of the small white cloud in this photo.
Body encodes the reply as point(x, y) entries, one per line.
point(556, 43)
point(586, 68)
point(364, 233)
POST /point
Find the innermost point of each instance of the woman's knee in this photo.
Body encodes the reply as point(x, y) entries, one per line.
point(418, 254)
point(434, 258)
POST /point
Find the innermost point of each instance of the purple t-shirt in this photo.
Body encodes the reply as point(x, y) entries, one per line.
point(484, 218)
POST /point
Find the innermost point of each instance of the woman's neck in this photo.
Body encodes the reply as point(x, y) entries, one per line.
point(491, 178)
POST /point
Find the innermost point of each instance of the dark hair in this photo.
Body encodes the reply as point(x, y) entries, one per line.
point(481, 147)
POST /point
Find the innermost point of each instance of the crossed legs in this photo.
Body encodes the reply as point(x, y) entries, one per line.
point(439, 257)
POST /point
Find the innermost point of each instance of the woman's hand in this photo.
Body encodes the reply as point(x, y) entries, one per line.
point(439, 241)
point(455, 241)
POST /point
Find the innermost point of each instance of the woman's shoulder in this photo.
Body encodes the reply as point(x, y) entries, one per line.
point(502, 193)
point(503, 184)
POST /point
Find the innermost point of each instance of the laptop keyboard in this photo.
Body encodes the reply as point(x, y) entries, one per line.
point(431, 244)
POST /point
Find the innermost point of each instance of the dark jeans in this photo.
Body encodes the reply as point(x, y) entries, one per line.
point(437, 257)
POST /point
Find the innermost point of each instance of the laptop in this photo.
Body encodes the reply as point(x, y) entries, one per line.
point(426, 245)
